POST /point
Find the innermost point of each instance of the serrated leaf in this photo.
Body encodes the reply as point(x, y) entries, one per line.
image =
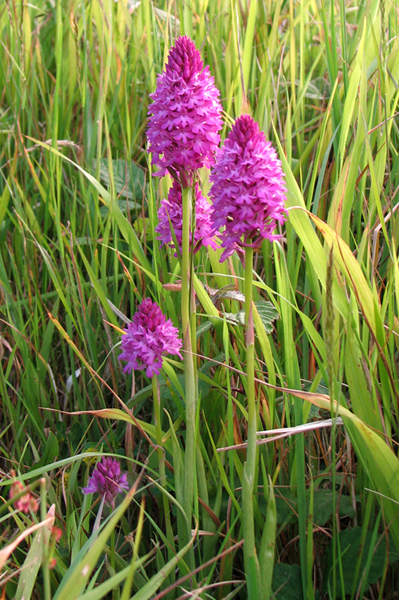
point(231, 295)
point(267, 313)
point(203, 328)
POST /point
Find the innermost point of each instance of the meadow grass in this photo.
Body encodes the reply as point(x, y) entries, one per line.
point(78, 210)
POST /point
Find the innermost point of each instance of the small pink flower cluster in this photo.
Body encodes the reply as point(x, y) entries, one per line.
point(147, 338)
point(107, 480)
point(171, 212)
point(26, 503)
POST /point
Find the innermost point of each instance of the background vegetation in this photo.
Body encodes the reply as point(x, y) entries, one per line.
point(77, 245)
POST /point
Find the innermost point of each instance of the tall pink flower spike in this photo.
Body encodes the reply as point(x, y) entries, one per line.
point(185, 116)
point(248, 189)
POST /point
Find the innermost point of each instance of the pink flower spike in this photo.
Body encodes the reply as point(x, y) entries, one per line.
point(248, 189)
point(147, 338)
point(185, 116)
point(171, 213)
point(107, 480)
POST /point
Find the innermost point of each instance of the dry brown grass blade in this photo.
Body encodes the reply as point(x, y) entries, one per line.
point(6, 552)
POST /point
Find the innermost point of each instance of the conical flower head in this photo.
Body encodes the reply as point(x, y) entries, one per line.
point(171, 213)
point(107, 480)
point(185, 121)
point(248, 189)
point(147, 338)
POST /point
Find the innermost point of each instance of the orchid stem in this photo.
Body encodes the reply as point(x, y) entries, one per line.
point(46, 538)
point(249, 473)
point(188, 314)
point(115, 592)
point(161, 460)
point(250, 344)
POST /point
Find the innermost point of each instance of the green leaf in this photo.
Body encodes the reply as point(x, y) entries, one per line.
point(157, 580)
point(111, 584)
point(50, 452)
point(377, 458)
point(286, 505)
point(120, 219)
point(267, 313)
point(349, 545)
point(287, 582)
point(129, 181)
point(323, 506)
point(204, 327)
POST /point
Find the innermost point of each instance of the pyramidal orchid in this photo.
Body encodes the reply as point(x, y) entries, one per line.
point(248, 190)
point(147, 338)
point(183, 134)
point(170, 215)
point(185, 116)
point(107, 480)
point(248, 195)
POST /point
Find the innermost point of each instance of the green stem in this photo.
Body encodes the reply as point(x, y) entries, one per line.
point(115, 591)
point(161, 459)
point(187, 310)
point(252, 572)
point(250, 343)
point(46, 537)
point(193, 310)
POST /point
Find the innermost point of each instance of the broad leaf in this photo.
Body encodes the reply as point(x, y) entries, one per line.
point(267, 313)
point(349, 545)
